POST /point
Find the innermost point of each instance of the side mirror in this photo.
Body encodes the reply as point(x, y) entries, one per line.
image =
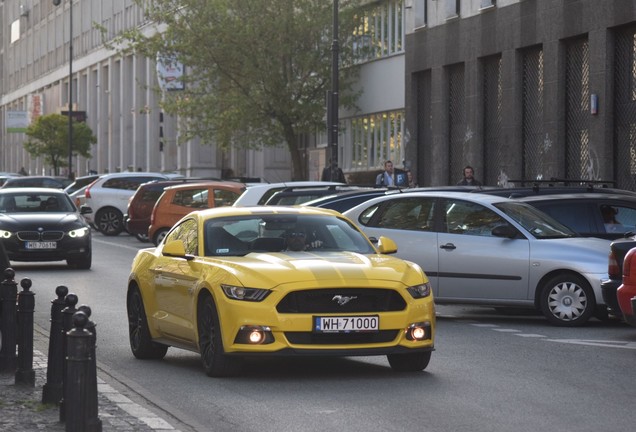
point(507, 231)
point(386, 245)
point(84, 209)
point(176, 249)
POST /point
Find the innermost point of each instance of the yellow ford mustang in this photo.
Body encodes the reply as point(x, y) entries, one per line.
point(234, 282)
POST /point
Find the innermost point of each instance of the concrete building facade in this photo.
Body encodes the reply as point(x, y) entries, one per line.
point(113, 92)
point(522, 90)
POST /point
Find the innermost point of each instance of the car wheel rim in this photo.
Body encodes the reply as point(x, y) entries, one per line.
point(109, 222)
point(567, 301)
point(135, 320)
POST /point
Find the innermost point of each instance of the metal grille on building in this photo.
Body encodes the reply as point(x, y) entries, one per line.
point(424, 131)
point(534, 143)
point(457, 136)
point(578, 164)
point(493, 153)
point(625, 108)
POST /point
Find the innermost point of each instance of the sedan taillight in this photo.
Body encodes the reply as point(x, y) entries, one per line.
point(613, 270)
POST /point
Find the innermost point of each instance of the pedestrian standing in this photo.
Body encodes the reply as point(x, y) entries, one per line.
point(333, 172)
point(386, 177)
point(469, 177)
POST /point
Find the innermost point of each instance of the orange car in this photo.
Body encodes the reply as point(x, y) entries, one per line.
point(178, 201)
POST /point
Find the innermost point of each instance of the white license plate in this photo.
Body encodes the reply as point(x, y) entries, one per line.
point(41, 245)
point(342, 324)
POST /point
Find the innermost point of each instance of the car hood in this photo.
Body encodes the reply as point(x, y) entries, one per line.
point(586, 254)
point(268, 270)
point(26, 220)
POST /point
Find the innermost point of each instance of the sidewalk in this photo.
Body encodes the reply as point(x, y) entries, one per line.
point(21, 407)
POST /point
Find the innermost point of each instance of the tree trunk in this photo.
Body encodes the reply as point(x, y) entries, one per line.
point(299, 169)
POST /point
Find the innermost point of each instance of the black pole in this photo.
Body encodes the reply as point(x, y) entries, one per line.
point(52, 390)
point(77, 365)
point(26, 305)
point(67, 322)
point(333, 103)
point(8, 322)
point(93, 422)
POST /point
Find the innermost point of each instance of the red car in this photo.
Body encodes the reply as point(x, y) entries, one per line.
point(626, 293)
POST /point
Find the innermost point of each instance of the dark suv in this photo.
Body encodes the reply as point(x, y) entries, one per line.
point(607, 216)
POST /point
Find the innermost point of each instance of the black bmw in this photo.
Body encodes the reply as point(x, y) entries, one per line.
point(42, 224)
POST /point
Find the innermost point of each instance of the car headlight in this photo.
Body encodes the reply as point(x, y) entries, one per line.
point(5, 234)
point(242, 293)
point(420, 291)
point(77, 233)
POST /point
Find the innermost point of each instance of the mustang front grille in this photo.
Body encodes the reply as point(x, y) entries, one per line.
point(341, 301)
point(309, 338)
point(40, 236)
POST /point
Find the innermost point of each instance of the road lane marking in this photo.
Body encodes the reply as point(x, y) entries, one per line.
point(599, 343)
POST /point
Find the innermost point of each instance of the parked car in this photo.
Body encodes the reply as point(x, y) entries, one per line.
point(626, 293)
point(489, 250)
point(108, 198)
point(42, 224)
point(617, 251)
point(603, 215)
point(258, 194)
point(552, 187)
point(36, 181)
point(80, 182)
point(206, 290)
point(345, 200)
point(179, 200)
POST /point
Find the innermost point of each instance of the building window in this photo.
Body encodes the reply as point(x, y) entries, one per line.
point(536, 145)
point(419, 13)
point(380, 31)
point(494, 155)
point(488, 3)
point(452, 8)
point(373, 139)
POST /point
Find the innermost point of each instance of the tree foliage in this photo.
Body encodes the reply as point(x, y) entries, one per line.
point(257, 72)
point(48, 137)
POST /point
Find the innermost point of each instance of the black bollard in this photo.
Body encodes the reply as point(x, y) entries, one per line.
point(8, 322)
point(93, 422)
point(67, 324)
point(78, 342)
point(26, 305)
point(52, 390)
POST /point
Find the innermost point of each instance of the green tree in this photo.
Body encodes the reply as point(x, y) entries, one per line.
point(48, 137)
point(257, 72)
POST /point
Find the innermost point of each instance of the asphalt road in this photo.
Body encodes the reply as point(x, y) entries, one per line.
point(490, 371)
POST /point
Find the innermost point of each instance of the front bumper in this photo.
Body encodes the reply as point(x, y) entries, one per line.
point(293, 335)
point(66, 248)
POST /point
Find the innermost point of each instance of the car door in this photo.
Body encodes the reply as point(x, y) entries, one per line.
point(473, 263)
point(409, 222)
point(175, 283)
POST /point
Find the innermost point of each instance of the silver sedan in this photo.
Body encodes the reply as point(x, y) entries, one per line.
point(493, 251)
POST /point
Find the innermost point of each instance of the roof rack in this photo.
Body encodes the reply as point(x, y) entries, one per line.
point(554, 181)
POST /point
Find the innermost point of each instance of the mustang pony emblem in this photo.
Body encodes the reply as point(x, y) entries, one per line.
point(343, 300)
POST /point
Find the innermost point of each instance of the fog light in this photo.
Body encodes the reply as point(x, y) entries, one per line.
point(418, 331)
point(254, 335)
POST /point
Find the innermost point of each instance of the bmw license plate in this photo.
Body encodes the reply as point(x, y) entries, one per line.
point(344, 324)
point(40, 245)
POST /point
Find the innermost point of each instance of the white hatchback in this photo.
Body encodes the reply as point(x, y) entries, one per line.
point(487, 250)
point(108, 198)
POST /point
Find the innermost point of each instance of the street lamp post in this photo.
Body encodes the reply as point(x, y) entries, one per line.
point(70, 87)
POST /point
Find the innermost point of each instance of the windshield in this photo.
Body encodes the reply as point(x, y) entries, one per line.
point(36, 203)
point(535, 221)
point(240, 235)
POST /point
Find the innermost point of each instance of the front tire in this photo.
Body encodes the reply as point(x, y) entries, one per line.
point(411, 362)
point(109, 221)
point(215, 362)
point(141, 343)
point(159, 236)
point(567, 300)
